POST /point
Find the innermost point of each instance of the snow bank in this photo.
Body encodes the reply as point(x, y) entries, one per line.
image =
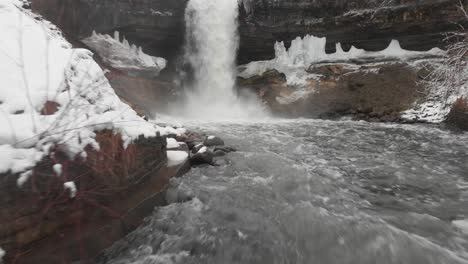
point(176, 157)
point(293, 62)
point(38, 66)
point(441, 98)
point(124, 56)
point(172, 143)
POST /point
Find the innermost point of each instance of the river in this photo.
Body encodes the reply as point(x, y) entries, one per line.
point(314, 191)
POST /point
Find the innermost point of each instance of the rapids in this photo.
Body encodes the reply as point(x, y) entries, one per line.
point(314, 191)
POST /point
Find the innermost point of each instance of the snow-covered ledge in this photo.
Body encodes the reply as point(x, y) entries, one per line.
point(295, 61)
point(124, 56)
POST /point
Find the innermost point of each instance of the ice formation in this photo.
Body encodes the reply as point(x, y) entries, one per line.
point(124, 56)
point(38, 66)
point(309, 50)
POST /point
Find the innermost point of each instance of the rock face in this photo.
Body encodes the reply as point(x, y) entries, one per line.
point(40, 220)
point(417, 24)
point(374, 92)
point(156, 25)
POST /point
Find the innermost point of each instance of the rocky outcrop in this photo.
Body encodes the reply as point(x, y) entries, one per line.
point(43, 222)
point(374, 92)
point(458, 116)
point(418, 25)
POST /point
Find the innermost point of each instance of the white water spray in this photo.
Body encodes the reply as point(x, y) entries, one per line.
point(212, 42)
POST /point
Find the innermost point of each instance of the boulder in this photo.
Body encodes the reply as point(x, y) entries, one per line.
point(226, 149)
point(219, 153)
point(197, 148)
point(458, 116)
point(213, 141)
point(200, 158)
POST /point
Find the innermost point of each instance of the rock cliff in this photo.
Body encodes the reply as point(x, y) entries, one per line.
point(417, 24)
point(156, 25)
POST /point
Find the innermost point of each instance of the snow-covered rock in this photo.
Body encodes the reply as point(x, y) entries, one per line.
point(124, 56)
point(37, 65)
point(293, 62)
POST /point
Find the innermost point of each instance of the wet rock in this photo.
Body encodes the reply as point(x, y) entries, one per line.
point(219, 153)
point(181, 138)
point(226, 149)
point(458, 116)
point(193, 139)
point(174, 136)
point(197, 148)
point(205, 157)
point(213, 141)
point(268, 77)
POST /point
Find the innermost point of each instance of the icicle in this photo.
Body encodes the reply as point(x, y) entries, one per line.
point(134, 49)
point(125, 43)
point(339, 48)
point(116, 36)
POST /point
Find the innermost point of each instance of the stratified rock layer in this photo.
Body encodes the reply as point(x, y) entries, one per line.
point(417, 24)
point(156, 25)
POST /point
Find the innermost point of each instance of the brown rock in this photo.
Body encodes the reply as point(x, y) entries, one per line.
point(458, 116)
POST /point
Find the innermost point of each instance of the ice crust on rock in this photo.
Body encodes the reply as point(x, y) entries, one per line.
point(293, 62)
point(124, 56)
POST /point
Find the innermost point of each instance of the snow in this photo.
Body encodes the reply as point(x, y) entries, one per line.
point(176, 157)
point(294, 62)
point(124, 56)
point(172, 143)
point(440, 100)
point(71, 187)
point(57, 169)
point(38, 65)
point(202, 150)
point(17, 159)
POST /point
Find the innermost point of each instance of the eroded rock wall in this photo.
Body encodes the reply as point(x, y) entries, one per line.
point(156, 25)
point(376, 92)
point(417, 24)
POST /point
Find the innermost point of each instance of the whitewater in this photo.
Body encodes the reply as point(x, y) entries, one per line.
point(299, 191)
point(212, 41)
point(314, 191)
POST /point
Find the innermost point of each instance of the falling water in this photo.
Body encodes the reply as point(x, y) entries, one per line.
point(212, 42)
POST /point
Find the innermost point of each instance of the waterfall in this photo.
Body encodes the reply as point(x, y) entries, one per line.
point(212, 41)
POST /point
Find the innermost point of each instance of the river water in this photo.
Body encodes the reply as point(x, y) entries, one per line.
point(312, 191)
